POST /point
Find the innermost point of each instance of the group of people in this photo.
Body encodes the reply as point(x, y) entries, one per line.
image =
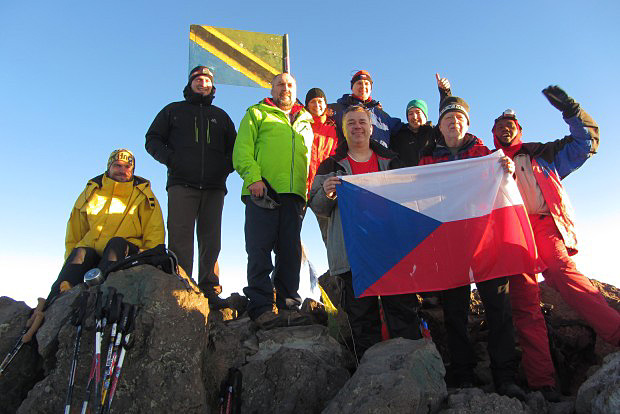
point(290, 156)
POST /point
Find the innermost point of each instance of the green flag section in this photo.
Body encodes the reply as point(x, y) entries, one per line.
point(237, 57)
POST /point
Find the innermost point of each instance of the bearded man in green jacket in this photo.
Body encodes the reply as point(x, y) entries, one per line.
point(271, 156)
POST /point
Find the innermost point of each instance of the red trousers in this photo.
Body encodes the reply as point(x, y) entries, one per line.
point(576, 290)
point(531, 330)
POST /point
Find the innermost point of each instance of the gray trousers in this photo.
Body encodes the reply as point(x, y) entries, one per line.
point(188, 208)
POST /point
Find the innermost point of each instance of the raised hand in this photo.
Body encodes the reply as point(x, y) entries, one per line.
point(560, 100)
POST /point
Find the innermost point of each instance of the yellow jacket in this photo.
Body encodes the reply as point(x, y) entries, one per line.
point(107, 208)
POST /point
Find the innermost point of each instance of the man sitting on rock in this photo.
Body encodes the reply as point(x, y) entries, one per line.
point(116, 215)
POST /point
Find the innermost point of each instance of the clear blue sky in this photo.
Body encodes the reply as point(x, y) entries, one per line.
point(79, 79)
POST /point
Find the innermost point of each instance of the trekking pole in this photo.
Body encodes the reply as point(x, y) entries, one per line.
point(77, 320)
point(113, 317)
point(32, 325)
point(126, 308)
point(126, 345)
point(94, 366)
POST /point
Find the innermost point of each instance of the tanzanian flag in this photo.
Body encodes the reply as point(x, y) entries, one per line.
point(238, 57)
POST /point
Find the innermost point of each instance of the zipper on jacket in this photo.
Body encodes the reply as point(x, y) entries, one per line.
point(292, 157)
point(202, 159)
point(196, 130)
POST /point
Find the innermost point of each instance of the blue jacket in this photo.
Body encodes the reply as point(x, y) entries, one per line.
point(552, 161)
point(383, 125)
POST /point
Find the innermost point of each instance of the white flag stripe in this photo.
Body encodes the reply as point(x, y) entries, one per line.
point(447, 191)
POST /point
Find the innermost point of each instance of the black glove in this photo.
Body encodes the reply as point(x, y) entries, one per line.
point(558, 98)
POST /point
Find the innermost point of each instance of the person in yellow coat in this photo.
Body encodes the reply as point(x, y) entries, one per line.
point(116, 215)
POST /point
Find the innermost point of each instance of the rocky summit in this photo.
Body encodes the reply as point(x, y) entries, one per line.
point(181, 357)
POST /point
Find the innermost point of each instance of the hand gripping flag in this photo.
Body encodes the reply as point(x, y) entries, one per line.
point(434, 227)
point(238, 57)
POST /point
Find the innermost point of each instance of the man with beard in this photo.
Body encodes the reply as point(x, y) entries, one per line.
point(194, 139)
point(270, 155)
point(116, 215)
point(540, 167)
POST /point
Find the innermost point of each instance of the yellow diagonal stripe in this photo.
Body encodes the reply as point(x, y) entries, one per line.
point(228, 61)
point(239, 49)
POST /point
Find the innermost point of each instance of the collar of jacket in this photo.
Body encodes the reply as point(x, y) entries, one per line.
point(196, 98)
point(297, 111)
point(348, 100)
point(442, 149)
point(328, 120)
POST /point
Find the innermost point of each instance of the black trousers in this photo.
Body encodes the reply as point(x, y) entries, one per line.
point(82, 259)
point(501, 346)
point(276, 230)
point(400, 311)
point(190, 208)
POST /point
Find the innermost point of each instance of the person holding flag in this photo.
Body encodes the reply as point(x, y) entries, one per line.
point(540, 167)
point(359, 154)
point(455, 143)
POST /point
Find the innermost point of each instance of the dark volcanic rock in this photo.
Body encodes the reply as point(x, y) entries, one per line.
point(25, 370)
point(163, 370)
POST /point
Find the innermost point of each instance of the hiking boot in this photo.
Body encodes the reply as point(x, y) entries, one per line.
point(237, 302)
point(550, 393)
point(269, 320)
point(215, 302)
point(510, 389)
point(293, 317)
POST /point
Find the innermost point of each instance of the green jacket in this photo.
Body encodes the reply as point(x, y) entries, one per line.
point(269, 146)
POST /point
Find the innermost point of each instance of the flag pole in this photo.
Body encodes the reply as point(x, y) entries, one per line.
point(286, 58)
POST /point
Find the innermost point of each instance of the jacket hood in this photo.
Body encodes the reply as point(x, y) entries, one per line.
point(348, 100)
point(196, 98)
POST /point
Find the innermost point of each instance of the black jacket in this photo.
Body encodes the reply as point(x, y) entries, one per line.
point(195, 140)
point(409, 145)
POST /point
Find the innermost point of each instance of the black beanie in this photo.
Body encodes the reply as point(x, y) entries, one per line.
point(199, 71)
point(451, 104)
point(315, 93)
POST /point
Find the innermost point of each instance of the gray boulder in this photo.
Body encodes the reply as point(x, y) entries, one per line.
point(476, 401)
point(294, 370)
point(600, 393)
point(395, 376)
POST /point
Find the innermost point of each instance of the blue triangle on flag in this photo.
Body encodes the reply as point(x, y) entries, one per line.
point(378, 233)
point(223, 73)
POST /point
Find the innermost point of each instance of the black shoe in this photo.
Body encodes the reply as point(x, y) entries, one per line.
point(550, 393)
point(269, 320)
point(510, 389)
point(294, 317)
point(215, 302)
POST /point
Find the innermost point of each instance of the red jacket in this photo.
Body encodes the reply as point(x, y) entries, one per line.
point(474, 148)
point(324, 145)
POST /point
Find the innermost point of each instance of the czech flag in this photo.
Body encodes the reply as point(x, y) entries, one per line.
point(435, 227)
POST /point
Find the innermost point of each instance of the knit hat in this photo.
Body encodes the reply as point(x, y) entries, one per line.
point(417, 103)
point(315, 93)
point(122, 155)
point(451, 104)
point(200, 71)
point(362, 74)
